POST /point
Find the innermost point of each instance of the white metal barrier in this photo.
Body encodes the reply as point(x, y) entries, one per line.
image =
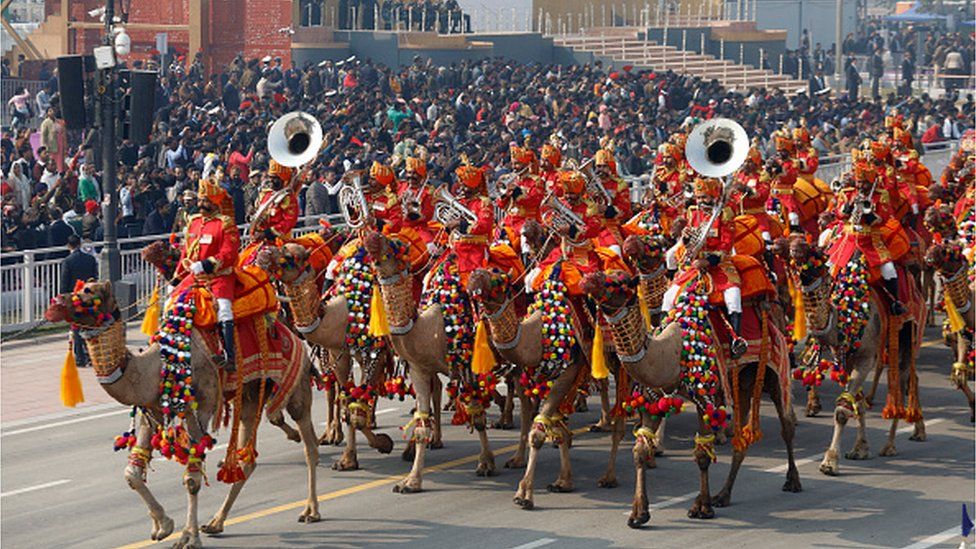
point(30, 279)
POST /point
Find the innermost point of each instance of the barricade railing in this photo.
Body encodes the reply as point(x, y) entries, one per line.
point(31, 278)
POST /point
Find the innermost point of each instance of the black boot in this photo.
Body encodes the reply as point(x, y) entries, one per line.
point(770, 263)
point(891, 286)
point(738, 346)
point(227, 335)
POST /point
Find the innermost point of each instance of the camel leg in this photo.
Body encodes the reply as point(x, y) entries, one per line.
point(299, 408)
point(878, 370)
point(704, 450)
point(507, 420)
point(564, 482)
point(278, 420)
point(422, 383)
point(486, 460)
point(437, 393)
point(643, 454)
point(889, 449)
point(333, 421)
point(787, 422)
point(193, 480)
point(245, 433)
point(135, 476)
point(813, 402)
point(829, 466)
point(524, 496)
point(618, 427)
point(526, 413)
point(747, 378)
point(348, 461)
point(603, 385)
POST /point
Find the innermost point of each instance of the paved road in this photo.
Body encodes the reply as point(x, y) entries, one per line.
point(62, 486)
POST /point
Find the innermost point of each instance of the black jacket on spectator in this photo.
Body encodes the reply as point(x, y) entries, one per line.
point(58, 233)
point(155, 223)
point(77, 266)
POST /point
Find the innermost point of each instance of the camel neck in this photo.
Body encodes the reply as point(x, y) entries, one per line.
point(303, 298)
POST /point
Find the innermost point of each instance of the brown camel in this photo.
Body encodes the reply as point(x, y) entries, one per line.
point(519, 342)
point(953, 269)
point(654, 361)
point(324, 324)
point(419, 338)
point(138, 385)
point(859, 363)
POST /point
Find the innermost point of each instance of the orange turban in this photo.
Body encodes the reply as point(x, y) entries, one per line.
point(284, 173)
point(880, 150)
point(896, 121)
point(470, 176)
point(382, 173)
point(708, 186)
point(212, 191)
point(417, 165)
point(863, 171)
point(783, 142)
point(522, 155)
point(603, 157)
point(551, 154)
point(755, 156)
point(572, 182)
point(801, 135)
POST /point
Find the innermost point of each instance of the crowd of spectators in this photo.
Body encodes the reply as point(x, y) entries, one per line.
point(368, 111)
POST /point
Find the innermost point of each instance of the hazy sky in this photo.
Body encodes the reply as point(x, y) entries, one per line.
point(496, 14)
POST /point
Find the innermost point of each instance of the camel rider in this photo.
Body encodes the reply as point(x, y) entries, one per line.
point(208, 258)
point(619, 209)
point(783, 173)
point(895, 127)
point(863, 209)
point(279, 204)
point(417, 202)
point(469, 240)
point(807, 158)
point(751, 195)
point(714, 258)
point(521, 200)
point(550, 159)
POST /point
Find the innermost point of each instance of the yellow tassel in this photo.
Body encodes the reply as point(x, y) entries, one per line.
point(644, 311)
point(378, 326)
point(482, 360)
point(150, 324)
point(799, 314)
point(71, 393)
point(956, 322)
point(598, 364)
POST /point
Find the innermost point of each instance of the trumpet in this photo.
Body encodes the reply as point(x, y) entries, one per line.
point(352, 200)
point(410, 202)
point(449, 211)
point(559, 215)
point(505, 183)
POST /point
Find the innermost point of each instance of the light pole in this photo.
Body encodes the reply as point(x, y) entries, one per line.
point(110, 264)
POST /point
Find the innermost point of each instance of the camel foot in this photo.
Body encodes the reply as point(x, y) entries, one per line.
point(435, 444)
point(486, 467)
point(384, 444)
point(561, 486)
point(331, 438)
point(163, 528)
point(659, 450)
point(702, 509)
point(638, 520)
point(292, 435)
point(188, 541)
point(408, 452)
point(607, 481)
point(524, 503)
point(814, 408)
point(601, 426)
point(504, 424)
point(829, 464)
point(346, 464)
point(515, 462)
point(859, 452)
point(889, 450)
point(581, 405)
point(722, 437)
point(792, 483)
point(722, 499)
point(919, 434)
point(309, 515)
point(408, 485)
point(212, 528)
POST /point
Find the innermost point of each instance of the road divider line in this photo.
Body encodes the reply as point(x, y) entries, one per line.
point(537, 543)
point(61, 423)
point(33, 488)
point(385, 481)
point(812, 458)
point(936, 539)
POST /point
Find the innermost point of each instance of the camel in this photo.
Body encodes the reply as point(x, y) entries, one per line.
point(138, 385)
point(859, 363)
point(324, 324)
point(519, 342)
point(951, 266)
point(419, 338)
point(654, 361)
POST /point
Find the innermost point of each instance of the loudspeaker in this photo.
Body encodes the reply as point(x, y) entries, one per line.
point(71, 87)
point(142, 105)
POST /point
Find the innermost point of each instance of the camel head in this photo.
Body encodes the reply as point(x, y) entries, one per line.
point(940, 221)
point(163, 255)
point(389, 256)
point(286, 263)
point(646, 253)
point(334, 238)
point(945, 257)
point(489, 288)
point(807, 259)
point(612, 290)
point(826, 219)
point(90, 305)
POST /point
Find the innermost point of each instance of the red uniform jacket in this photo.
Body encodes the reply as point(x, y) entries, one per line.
point(808, 160)
point(215, 238)
point(526, 206)
point(281, 217)
point(864, 236)
point(471, 247)
point(426, 210)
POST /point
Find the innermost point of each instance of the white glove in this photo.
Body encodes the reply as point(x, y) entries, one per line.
point(915, 209)
point(196, 268)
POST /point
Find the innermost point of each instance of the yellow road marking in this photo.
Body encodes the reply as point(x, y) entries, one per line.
point(335, 494)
